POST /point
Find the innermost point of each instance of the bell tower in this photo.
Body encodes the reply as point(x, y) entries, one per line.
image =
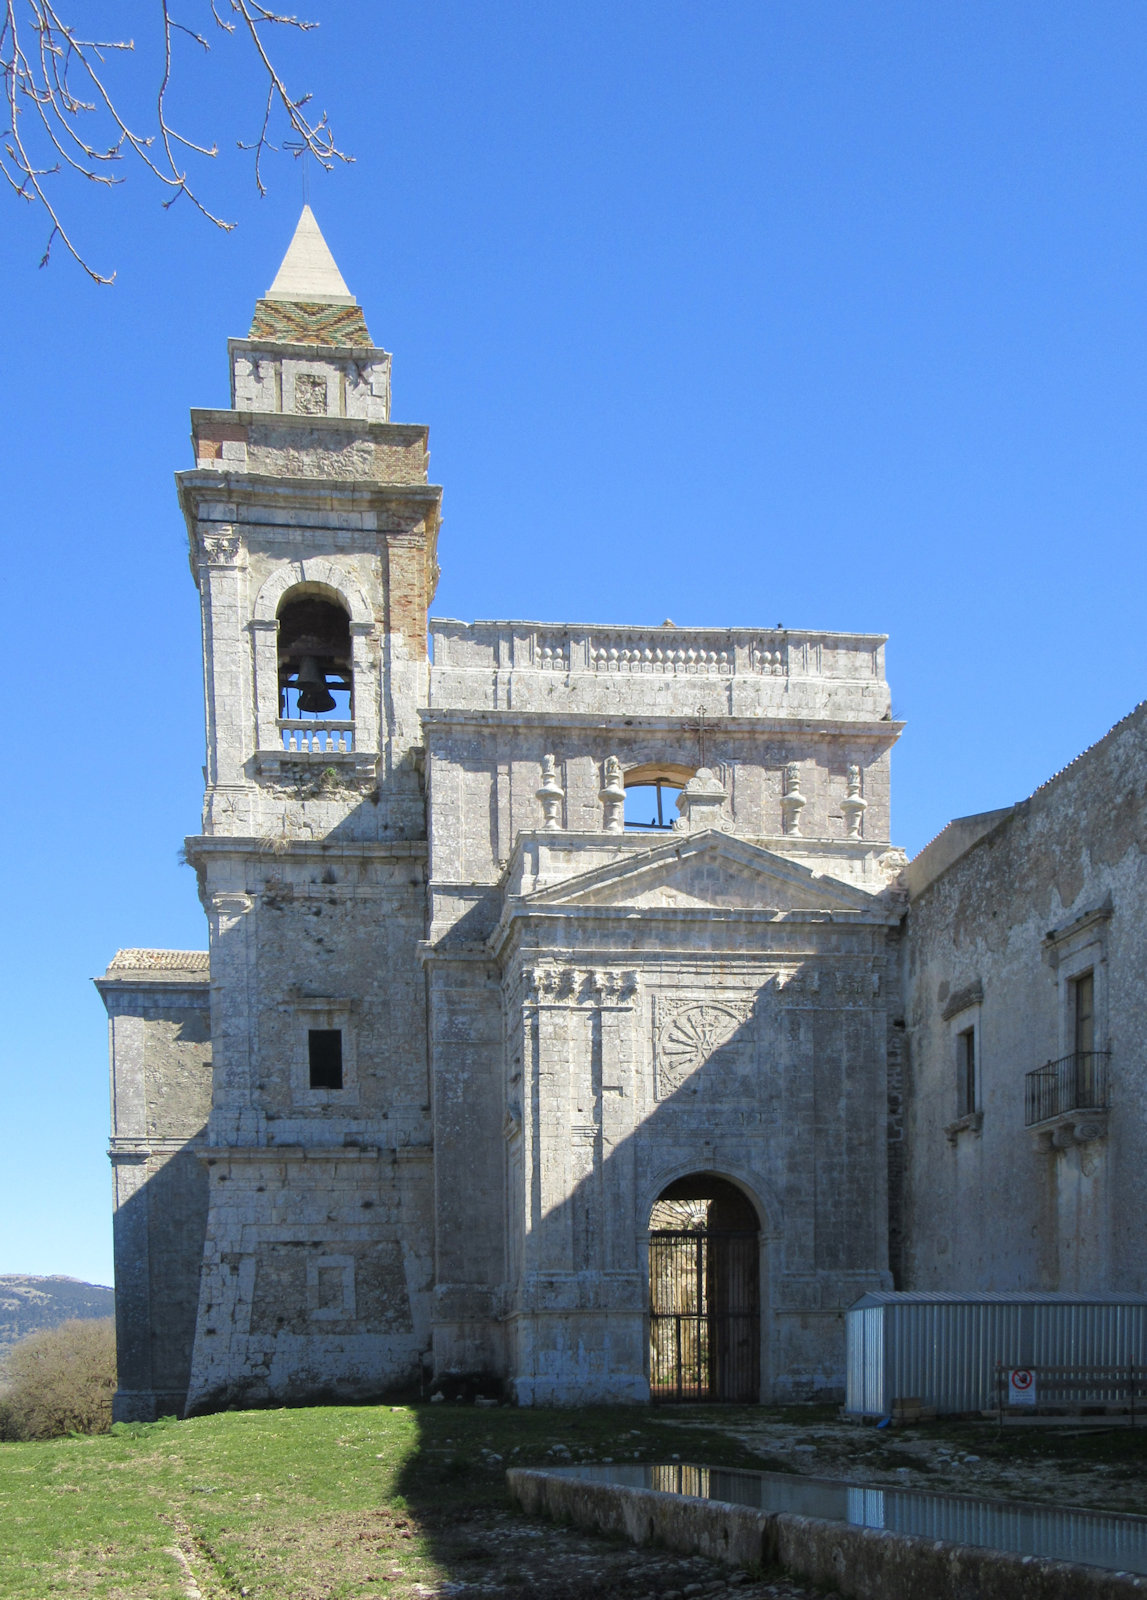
point(312, 533)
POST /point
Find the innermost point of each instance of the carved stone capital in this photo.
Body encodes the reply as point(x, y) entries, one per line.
point(221, 548)
point(612, 987)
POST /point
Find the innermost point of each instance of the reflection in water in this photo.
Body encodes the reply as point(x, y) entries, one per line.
point(1097, 1538)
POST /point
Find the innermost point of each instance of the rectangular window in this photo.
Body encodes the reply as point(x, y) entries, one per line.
point(325, 1049)
point(1083, 1012)
point(966, 1072)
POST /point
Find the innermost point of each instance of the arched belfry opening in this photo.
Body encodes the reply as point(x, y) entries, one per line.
point(704, 1293)
point(315, 675)
point(651, 793)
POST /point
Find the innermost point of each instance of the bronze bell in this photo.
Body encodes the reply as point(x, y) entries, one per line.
point(311, 683)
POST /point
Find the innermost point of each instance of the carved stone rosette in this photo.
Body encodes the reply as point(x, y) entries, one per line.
point(689, 1032)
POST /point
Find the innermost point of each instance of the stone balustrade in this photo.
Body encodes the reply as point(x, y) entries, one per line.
point(316, 738)
point(656, 652)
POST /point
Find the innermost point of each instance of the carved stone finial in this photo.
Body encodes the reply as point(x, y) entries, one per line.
point(702, 803)
point(551, 794)
point(612, 796)
point(792, 801)
point(854, 806)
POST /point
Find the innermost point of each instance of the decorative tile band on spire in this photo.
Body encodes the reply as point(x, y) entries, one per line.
point(307, 322)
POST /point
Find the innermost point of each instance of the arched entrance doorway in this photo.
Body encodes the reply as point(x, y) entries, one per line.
point(704, 1293)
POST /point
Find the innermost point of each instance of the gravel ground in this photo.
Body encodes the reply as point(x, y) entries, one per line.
point(516, 1557)
point(1100, 1468)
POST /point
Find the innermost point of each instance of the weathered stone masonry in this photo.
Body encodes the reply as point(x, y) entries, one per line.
point(543, 1020)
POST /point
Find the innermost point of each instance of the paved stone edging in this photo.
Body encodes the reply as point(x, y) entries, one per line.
point(862, 1563)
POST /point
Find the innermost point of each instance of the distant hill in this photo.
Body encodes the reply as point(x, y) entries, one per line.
point(28, 1304)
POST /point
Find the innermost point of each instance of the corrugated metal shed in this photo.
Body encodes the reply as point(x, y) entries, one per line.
point(943, 1348)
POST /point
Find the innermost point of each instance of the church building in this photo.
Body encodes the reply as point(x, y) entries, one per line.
point(551, 1034)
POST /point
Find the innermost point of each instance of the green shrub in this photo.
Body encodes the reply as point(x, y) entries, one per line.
point(60, 1380)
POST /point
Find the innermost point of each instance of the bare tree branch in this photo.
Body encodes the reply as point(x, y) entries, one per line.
point(55, 90)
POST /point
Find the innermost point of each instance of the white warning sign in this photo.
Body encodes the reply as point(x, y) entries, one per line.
point(1021, 1387)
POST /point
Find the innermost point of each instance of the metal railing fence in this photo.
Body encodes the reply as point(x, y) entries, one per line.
point(1077, 1082)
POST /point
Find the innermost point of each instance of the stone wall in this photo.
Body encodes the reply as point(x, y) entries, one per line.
point(512, 976)
point(561, 958)
point(160, 1047)
point(1005, 911)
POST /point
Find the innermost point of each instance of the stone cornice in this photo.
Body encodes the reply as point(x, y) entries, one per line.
point(362, 427)
point(213, 1153)
point(215, 844)
point(302, 351)
point(128, 982)
point(845, 728)
point(236, 489)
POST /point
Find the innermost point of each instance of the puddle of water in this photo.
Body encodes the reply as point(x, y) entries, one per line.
point(1095, 1538)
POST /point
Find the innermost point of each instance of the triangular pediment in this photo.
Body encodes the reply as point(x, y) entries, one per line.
point(710, 871)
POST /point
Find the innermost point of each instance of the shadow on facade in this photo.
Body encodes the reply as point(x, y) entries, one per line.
point(159, 1229)
point(780, 1095)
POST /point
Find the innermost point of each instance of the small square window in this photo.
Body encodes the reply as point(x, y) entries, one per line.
point(966, 1072)
point(325, 1051)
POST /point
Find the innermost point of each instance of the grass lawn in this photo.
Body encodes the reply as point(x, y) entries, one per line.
point(357, 1503)
point(329, 1503)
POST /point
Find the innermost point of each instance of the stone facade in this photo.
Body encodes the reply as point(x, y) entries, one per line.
point(159, 1031)
point(543, 1019)
point(1027, 1176)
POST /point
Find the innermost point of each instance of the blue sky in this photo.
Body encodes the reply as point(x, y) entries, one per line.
point(827, 314)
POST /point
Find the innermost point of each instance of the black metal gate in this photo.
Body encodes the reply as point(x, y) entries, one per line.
point(704, 1315)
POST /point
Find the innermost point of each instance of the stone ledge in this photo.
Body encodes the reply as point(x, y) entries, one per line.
point(1070, 1128)
point(850, 727)
point(291, 1152)
point(972, 994)
point(862, 1563)
point(972, 1122)
point(346, 849)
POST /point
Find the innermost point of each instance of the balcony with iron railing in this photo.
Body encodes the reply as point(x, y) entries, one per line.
point(1075, 1083)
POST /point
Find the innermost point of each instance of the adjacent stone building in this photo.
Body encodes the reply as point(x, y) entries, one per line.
point(1026, 1009)
point(553, 1033)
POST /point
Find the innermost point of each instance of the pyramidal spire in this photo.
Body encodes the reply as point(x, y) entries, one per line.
point(309, 272)
point(309, 303)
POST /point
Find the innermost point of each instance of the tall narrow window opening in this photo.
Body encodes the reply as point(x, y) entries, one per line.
point(325, 1050)
point(966, 1072)
point(1083, 1013)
